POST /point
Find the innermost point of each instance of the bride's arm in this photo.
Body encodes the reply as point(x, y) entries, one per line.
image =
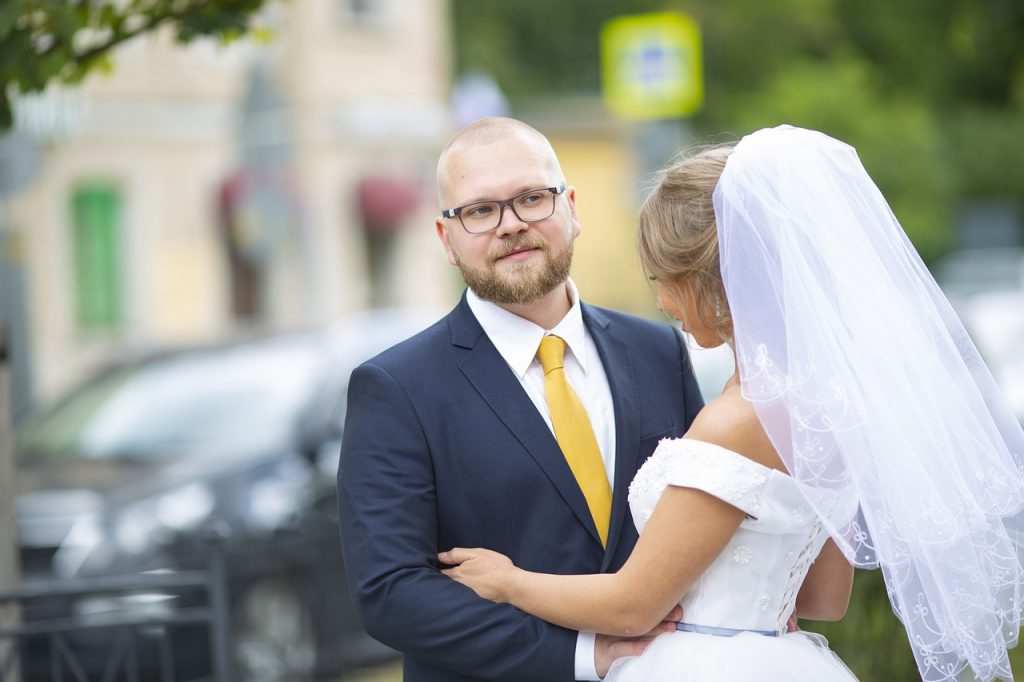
point(825, 594)
point(686, 532)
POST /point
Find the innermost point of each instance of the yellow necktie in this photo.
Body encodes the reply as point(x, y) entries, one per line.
point(575, 435)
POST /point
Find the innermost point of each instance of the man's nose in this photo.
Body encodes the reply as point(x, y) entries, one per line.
point(513, 225)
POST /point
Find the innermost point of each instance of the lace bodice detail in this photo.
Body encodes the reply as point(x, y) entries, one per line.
point(754, 581)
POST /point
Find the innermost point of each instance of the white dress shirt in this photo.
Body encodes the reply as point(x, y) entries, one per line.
point(517, 340)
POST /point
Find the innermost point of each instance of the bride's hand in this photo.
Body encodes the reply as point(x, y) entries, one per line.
point(487, 573)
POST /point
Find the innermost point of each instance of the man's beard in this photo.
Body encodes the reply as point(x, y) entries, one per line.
point(519, 284)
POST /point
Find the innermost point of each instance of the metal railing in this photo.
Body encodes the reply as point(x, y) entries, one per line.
point(53, 638)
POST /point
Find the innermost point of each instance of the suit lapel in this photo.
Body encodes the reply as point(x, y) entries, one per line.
point(618, 368)
point(492, 378)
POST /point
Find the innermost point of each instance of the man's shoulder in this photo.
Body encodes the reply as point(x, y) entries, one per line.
point(619, 321)
point(416, 352)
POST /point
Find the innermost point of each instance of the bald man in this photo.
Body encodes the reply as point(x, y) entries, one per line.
point(449, 438)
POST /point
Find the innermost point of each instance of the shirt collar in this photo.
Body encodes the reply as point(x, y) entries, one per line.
point(517, 339)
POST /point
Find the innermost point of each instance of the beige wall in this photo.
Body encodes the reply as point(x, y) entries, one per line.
point(605, 265)
point(359, 97)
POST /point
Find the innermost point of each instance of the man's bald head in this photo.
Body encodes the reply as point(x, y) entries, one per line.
point(487, 131)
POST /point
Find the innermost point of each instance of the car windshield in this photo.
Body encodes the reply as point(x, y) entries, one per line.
point(241, 399)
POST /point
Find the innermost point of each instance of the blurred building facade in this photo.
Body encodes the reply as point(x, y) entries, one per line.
point(599, 158)
point(200, 190)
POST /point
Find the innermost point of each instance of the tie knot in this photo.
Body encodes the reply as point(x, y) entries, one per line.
point(551, 353)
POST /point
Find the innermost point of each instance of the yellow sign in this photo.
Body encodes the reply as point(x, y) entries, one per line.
point(651, 66)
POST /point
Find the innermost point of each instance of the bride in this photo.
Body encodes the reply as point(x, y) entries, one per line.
point(861, 428)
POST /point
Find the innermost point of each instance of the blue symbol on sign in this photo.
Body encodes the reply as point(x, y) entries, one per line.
point(653, 62)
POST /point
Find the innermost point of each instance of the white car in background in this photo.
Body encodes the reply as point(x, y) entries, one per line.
point(995, 321)
point(712, 366)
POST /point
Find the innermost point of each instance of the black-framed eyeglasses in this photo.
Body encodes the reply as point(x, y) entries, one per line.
point(484, 216)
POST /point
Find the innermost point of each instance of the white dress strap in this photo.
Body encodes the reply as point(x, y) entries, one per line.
point(718, 471)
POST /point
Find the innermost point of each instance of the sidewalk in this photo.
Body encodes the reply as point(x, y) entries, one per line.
point(387, 673)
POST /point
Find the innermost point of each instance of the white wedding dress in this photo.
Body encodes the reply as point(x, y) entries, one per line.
point(750, 589)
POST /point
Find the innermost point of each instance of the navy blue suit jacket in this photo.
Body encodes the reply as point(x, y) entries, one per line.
point(443, 448)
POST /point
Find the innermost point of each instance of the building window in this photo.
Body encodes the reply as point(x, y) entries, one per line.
point(96, 223)
point(365, 13)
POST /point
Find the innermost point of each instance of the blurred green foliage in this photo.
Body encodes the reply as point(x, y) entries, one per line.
point(871, 640)
point(930, 92)
point(44, 41)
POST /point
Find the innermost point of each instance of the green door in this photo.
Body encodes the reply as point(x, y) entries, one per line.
point(96, 218)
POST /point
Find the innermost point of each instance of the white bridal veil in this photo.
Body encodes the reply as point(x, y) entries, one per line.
point(874, 396)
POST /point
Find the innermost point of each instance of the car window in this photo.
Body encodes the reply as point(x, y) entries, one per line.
point(712, 367)
point(242, 399)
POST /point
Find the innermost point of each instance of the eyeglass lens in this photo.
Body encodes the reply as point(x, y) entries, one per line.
point(528, 207)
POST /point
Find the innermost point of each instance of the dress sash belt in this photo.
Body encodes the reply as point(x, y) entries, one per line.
point(723, 632)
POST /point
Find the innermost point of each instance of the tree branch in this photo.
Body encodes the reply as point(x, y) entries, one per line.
point(118, 38)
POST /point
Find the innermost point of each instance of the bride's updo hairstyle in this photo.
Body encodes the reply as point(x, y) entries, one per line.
point(677, 237)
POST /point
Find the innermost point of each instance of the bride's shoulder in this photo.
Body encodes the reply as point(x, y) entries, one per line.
point(730, 422)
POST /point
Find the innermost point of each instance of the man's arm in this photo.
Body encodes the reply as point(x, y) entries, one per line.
point(387, 512)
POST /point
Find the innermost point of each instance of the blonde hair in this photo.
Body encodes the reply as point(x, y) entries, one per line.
point(677, 237)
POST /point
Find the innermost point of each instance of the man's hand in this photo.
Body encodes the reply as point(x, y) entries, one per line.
point(608, 648)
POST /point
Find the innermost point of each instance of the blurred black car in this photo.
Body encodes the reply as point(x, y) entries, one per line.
point(135, 469)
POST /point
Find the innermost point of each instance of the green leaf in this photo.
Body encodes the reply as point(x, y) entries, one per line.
point(6, 115)
point(51, 64)
point(10, 11)
point(263, 35)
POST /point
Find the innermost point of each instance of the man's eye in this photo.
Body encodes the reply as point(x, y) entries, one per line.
point(531, 199)
point(478, 211)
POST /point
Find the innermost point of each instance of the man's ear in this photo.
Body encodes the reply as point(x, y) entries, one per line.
point(570, 196)
point(442, 234)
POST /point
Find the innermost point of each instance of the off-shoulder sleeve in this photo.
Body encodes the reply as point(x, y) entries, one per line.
point(727, 475)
